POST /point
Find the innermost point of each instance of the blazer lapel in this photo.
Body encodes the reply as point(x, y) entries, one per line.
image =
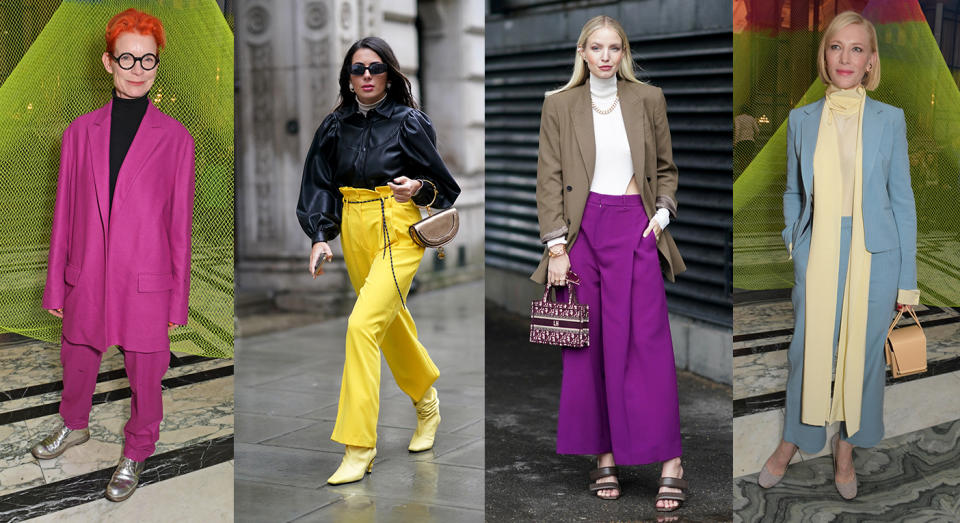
point(582, 112)
point(141, 149)
point(98, 138)
point(809, 130)
point(634, 120)
point(872, 131)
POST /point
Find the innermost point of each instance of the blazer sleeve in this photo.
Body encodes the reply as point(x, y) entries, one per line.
point(181, 225)
point(550, 175)
point(55, 287)
point(904, 211)
point(418, 140)
point(792, 197)
point(319, 205)
point(666, 169)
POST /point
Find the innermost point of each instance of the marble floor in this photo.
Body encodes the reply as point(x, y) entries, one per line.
point(196, 433)
point(911, 477)
point(288, 384)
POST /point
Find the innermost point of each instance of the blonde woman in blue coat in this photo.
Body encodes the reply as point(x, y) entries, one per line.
point(851, 231)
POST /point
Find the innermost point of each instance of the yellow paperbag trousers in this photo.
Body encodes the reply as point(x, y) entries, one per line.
point(381, 260)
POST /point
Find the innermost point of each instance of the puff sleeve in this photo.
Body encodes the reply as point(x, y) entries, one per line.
point(418, 141)
point(319, 206)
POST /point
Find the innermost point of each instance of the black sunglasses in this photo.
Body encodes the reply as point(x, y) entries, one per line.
point(126, 61)
point(375, 68)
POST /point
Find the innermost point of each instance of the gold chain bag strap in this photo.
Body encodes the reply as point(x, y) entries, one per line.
point(906, 348)
point(437, 229)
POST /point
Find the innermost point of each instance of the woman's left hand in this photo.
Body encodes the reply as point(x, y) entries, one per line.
point(655, 227)
point(171, 325)
point(404, 188)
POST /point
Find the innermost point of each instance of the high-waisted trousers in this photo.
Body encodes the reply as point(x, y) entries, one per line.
point(382, 260)
point(619, 394)
point(884, 270)
point(145, 370)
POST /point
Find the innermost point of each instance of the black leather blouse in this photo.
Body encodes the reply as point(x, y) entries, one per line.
point(353, 150)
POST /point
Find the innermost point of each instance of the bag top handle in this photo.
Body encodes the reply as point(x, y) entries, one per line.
point(572, 279)
point(900, 315)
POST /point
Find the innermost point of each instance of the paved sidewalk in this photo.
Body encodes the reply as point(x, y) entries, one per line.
point(528, 481)
point(287, 386)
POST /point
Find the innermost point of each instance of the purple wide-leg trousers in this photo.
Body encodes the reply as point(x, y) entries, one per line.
point(145, 370)
point(619, 394)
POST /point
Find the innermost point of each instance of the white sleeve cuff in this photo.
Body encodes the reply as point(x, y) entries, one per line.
point(663, 218)
point(556, 241)
point(908, 296)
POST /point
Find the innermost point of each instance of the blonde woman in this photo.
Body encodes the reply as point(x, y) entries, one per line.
point(605, 195)
point(854, 252)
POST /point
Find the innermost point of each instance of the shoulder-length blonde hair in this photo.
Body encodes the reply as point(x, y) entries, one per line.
point(871, 78)
point(580, 71)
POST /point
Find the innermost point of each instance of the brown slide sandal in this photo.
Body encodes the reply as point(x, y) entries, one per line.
point(601, 472)
point(681, 496)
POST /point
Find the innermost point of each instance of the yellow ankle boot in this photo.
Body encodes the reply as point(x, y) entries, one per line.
point(428, 419)
point(356, 461)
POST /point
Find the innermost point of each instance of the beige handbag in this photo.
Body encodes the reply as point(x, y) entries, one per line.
point(906, 348)
point(436, 230)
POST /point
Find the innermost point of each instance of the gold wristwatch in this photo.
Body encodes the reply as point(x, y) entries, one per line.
point(557, 250)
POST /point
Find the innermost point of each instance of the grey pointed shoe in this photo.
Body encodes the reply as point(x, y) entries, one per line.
point(768, 479)
point(59, 441)
point(847, 490)
point(124, 480)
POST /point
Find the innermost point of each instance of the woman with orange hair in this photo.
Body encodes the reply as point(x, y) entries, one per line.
point(119, 263)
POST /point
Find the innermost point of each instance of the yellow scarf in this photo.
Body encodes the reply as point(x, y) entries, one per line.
point(822, 268)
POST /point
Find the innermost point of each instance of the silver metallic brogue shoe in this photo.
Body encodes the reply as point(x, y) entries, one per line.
point(124, 480)
point(59, 441)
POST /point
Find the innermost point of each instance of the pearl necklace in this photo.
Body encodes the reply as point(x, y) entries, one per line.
point(608, 110)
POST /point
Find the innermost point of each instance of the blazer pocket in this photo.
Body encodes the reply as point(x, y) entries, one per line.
point(71, 274)
point(154, 282)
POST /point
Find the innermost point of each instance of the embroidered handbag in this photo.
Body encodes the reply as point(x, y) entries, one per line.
point(436, 230)
point(906, 348)
point(558, 323)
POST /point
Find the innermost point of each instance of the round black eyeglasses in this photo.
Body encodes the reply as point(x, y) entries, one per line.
point(375, 68)
point(148, 62)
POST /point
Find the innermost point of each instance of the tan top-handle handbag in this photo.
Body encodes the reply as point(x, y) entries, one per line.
point(906, 348)
point(436, 230)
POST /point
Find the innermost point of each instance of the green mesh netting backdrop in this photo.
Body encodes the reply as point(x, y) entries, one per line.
point(775, 71)
point(50, 73)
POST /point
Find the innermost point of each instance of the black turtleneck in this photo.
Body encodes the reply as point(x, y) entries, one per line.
point(125, 117)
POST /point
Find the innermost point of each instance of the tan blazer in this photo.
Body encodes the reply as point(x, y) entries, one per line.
point(566, 160)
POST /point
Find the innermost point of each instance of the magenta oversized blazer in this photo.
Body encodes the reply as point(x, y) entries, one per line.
point(121, 273)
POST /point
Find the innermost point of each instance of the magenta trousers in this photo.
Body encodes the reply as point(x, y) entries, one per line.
point(145, 370)
point(619, 394)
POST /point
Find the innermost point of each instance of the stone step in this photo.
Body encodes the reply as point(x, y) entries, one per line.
point(762, 334)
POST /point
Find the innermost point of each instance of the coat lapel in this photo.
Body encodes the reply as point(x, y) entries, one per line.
point(634, 121)
point(809, 130)
point(141, 149)
point(582, 112)
point(872, 132)
point(98, 137)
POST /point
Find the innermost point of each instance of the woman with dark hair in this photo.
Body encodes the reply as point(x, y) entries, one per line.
point(378, 151)
point(606, 186)
point(119, 261)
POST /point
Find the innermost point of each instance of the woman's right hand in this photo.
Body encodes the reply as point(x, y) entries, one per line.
point(319, 249)
point(56, 312)
point(557, 268)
